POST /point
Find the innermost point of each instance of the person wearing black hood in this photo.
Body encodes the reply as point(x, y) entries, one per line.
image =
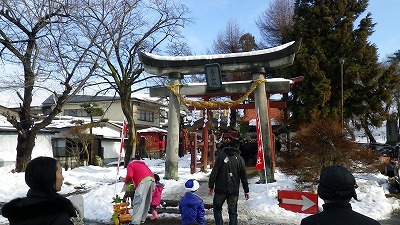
point(225, 178)
point(42, 204)
point(336, 187)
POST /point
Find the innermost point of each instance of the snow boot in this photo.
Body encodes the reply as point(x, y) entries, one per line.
point(155, 215)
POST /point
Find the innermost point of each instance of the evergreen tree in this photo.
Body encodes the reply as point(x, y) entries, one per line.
point(395, 57)
point(328, 35)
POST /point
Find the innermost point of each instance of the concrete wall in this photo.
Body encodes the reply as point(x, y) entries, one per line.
point(8, 146)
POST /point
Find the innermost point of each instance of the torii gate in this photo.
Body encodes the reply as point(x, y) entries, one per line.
point(256, 62)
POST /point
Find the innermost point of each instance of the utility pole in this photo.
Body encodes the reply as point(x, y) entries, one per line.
point(341, 61)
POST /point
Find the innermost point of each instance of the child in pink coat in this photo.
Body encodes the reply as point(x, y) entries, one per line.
point(156, 198)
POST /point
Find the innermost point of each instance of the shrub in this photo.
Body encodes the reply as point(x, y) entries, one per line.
point(319, 144)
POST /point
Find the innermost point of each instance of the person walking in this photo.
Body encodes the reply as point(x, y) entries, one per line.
point(156, 198)
point(142, 178)
point(42, 204)
point(225, 178)
point(337, 187)
point(191, 206)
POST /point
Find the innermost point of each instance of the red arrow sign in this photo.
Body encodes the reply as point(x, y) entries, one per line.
point(295, 201)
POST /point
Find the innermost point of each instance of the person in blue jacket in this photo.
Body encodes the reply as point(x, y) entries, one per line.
point(191, 206)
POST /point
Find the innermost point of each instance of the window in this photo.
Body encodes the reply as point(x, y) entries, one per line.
point(145, 115)
point(75, 112)
point(163, 116)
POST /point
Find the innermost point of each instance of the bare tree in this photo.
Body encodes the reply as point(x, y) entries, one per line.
point(130, 26)
point(276, 22)
point(39, 37)
point(80, 135)
point(228, 40)
point(178, 49)
point(232, 40)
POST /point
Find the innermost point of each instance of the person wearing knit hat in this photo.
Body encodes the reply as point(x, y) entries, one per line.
point(191, 206)
point(228, 173)
point(336, 186)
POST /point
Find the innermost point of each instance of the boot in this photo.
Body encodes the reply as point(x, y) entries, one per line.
point(155, 215)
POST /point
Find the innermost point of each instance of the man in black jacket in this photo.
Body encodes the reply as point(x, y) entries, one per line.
point(337, 187)
point(228, 172)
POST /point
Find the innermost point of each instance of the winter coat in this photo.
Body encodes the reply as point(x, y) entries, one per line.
point(136, 171)
point(191, 207)
point(338, 213)
point(157, 192)
point(228, 172)
point(39, 208)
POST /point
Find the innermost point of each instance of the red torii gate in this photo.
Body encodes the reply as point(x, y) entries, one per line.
point(250, 105)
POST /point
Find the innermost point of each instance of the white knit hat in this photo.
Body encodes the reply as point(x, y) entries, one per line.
point(192, 185)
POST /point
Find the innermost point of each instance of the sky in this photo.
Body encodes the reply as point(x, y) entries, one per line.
point(262, 205)
point(212, 16)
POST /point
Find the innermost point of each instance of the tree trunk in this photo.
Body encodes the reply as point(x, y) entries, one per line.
point(24, 150)
point(86, 150)
point(368, 131)
point(130, 146)
point(350, 132)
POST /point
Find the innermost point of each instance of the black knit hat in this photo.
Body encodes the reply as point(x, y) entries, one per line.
point(336, 183)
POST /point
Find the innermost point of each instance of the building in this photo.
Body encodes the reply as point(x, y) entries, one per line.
point(105, 140)
point(149, 112)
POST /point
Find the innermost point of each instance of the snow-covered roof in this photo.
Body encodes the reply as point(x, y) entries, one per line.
point(152, 129)
point(91, 98)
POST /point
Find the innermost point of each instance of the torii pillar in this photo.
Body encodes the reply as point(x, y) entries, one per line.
point(172, 156)
point(261, 107)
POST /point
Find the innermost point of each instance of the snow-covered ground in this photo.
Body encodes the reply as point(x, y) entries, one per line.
point(262, 205)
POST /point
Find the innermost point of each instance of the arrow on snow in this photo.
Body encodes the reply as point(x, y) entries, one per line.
point(305, 202)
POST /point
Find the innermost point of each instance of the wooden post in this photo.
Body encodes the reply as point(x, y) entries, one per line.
point(212, 150)
point(204, 153)
point(272, 136)
point(193, 152)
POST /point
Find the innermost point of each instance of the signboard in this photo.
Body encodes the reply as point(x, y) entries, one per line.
point(213, 77)
point(301, 202)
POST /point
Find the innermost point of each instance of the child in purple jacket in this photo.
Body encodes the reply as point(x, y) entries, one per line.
point(191, 206)
point(156, 198)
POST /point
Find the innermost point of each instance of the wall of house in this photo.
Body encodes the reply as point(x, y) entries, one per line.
point(144, 124)
point(111, 150)
point(106, 132)
point(113, 112)
point(8, 145)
